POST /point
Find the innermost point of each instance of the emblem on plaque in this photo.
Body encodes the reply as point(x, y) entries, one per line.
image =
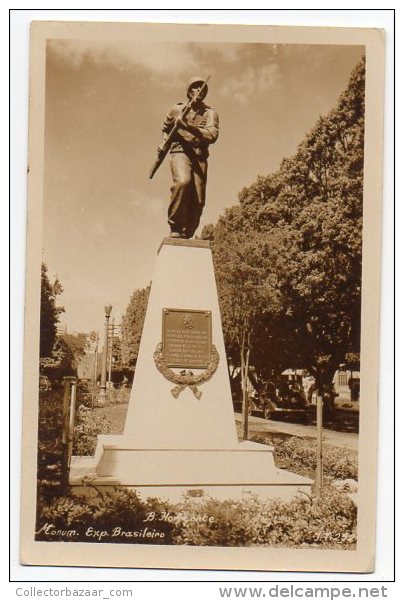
point(188, 321)
point(186, 344)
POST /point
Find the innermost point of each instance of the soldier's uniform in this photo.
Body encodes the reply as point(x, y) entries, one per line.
point(189, 165)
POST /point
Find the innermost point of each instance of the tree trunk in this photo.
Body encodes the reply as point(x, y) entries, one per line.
point(245, 356)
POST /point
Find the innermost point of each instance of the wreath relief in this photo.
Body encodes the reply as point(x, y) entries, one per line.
point(185, 377)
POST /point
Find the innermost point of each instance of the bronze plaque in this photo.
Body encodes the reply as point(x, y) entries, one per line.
point(187, 338)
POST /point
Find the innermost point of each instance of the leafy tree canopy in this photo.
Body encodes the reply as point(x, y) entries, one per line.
point(132, 326)
point(50, 312)
point(288, 257)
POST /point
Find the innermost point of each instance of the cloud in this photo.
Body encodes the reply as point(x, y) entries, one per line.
point(214, 52)
point(163, 59)
point(252, 81)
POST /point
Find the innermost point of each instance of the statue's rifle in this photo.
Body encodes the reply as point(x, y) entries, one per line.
point(169, 140)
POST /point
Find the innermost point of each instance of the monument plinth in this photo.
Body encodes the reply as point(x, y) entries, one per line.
point(180, 430)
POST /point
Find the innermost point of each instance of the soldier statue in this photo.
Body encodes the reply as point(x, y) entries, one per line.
point(188, 130)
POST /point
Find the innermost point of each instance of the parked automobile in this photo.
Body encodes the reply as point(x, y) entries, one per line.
point(289, 410)
point(287, 402)
point(284, 400)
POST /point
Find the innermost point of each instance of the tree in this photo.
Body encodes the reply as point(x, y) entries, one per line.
point(288, 258)
point(50, 312)
point(248, 295)
point(73, 348)
point(325, 273)
point(132, 326)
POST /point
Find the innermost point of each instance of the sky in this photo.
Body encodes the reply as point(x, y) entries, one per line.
point(105, 102)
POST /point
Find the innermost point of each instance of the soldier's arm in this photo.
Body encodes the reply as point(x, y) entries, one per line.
point(169, 121)
point(208, 132)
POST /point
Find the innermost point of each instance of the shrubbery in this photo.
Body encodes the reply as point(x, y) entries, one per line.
point(114, 396)
point(337, 463)
point(103, 511)
point(88, 426)
point(301, 455)
point(118, 396)
point(49, 458)
point(301, 521)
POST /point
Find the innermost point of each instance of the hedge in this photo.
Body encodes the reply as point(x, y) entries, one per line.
point(299, 522)
point(301, 455)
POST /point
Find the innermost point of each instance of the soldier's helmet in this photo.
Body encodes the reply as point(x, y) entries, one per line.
point(192, 82)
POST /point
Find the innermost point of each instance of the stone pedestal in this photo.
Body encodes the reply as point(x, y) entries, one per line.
point(172, 444)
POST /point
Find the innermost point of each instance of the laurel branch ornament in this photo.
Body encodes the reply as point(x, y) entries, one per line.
point(188, 378)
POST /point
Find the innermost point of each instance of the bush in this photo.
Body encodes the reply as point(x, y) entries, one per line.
point(114, 396)
point(49, 456)
point(50, 427)
point(118, 395)
point(105, 512)
point(299, 522)
point(301, 454)
point(88, 426)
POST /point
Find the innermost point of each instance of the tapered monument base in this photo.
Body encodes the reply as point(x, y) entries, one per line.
point(172, 473)
point(183, 438)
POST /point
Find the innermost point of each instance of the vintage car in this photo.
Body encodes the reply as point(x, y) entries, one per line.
point(287, 402)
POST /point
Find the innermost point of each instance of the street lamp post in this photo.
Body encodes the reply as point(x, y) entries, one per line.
point(95, 371)
point(319, 463)
point(109, 383)
point(103, 389)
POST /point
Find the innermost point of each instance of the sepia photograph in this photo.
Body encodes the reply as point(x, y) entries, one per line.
point(202, 297)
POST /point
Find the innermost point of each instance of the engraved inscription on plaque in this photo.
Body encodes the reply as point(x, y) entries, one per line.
point(187, 338)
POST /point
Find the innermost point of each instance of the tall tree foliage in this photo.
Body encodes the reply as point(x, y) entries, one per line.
point(73, 348)
point(132, 326)
point(294, 267)
point(246, 296)
point(49, 312)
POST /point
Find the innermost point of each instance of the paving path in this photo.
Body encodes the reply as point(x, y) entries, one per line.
point(259, 425)
point(116, 414)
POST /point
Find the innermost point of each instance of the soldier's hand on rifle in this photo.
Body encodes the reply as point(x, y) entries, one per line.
point(182, 123)
point(159, 150)
point(185, 125)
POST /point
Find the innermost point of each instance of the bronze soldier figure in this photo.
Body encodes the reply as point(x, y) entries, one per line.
point(189, 158)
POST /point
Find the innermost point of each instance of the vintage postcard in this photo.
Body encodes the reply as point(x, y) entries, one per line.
point(202, 297)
